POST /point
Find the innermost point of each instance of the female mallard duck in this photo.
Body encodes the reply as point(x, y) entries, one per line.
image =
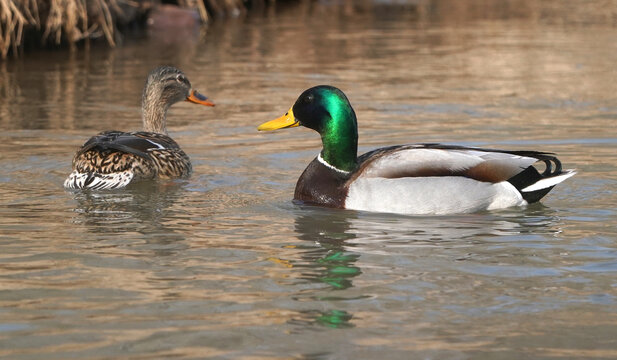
point(113, 159)
point(408, 179)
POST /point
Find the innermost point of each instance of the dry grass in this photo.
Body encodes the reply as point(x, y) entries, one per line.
point(12, 22)
point(196, 4)
point(75, 20)
point(72, 17)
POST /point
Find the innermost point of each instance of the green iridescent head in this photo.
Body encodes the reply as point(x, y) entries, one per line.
point(326, 110)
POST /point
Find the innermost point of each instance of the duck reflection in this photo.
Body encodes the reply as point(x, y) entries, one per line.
point(336, 319)
point(336, 240)
point(328, 260)
point(371, 231)
point(138, 208)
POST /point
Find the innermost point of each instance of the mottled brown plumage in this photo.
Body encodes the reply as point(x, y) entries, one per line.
point(113, 159)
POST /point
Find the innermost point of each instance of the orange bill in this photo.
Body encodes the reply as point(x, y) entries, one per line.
point(198, 98)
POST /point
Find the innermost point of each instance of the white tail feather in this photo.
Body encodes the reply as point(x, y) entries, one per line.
point(548, 182)
point(95, 181)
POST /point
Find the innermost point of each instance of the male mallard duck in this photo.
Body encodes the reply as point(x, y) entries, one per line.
point(408, 179)
point(113, 159)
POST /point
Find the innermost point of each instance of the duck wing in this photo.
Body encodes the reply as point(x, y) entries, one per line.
point(486, 165)
point(435, 178)
point(137, 143)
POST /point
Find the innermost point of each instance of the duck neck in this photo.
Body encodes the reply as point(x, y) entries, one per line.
point(154, 113)
point(340, 142)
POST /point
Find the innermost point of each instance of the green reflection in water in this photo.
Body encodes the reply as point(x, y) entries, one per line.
point(326, 259)
point(335, 319)
point(339, 270)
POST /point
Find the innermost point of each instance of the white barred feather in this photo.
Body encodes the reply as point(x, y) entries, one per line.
point(95, 181)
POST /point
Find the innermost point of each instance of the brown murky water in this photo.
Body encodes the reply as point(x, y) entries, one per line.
point(223, 265)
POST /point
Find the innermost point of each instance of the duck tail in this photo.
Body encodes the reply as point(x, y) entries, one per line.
point(96, 181)
point(549, 182)
point(532, 184)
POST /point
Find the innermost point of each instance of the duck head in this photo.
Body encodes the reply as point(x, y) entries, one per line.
point(165, 86)
point(326, 110)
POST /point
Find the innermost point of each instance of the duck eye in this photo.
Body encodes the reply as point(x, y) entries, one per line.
point(180, 78)
point(309, 98)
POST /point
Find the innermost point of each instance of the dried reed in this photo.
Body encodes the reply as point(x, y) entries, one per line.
point(75, 20)
point(12, 22)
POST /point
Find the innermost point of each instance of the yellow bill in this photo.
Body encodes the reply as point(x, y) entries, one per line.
point(286, 121)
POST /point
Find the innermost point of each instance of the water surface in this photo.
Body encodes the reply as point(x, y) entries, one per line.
point(224, 265)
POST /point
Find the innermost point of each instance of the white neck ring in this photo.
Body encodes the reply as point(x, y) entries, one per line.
point(321, 160)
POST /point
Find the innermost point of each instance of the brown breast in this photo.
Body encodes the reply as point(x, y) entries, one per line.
point(321, 186)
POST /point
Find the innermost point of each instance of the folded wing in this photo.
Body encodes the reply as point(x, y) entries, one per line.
point(483, 165)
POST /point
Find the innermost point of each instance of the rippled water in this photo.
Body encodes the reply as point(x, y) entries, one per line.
point(224, 265)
